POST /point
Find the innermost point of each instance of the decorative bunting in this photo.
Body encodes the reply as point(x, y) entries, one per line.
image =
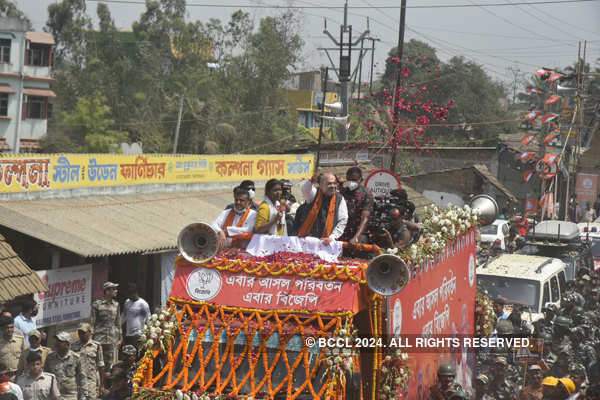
point(550, 158)
point(549, 138)
point(531, 205)
point(549, 117)
point(528, 138)
point(552, 99)
point(555, 76)
point(527, 175)
point(547, 204)
point(526, 156)
point(532, 115)
point(533, 90)
point(542, 72)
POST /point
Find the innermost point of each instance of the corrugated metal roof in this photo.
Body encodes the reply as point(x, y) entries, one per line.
point(94, 226)
point(485, 173)
point(16, 278)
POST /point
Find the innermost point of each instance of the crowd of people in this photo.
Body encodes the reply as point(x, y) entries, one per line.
point(82, 368)
point(335, 208)
point(568, 367)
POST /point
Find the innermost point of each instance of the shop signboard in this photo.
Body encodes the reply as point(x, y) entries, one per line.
point(69, 295)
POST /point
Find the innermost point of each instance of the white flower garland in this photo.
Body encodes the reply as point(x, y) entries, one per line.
point(439, 227)
point(338, 360)
point(158, 331)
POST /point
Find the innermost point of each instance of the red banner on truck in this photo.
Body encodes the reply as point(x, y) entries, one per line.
point(438, 302)
point(239, 289)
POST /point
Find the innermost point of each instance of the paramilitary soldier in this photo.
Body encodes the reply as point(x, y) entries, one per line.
point(65, 365)
point(446, 383)
point(92, 363)
point(106, 323)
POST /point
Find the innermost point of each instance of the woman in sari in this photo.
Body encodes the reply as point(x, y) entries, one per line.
point(271, 212)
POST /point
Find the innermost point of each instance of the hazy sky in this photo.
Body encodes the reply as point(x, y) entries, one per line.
point(518, 36)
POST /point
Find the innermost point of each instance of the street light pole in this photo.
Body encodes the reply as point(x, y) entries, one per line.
point(397, 91)
point(321, 122)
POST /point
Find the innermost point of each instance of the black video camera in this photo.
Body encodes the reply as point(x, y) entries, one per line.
point(381, 216)
point(286, 189)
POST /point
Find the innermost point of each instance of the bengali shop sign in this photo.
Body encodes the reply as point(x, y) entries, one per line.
point(22, 173)
point(68, 297)
point(284, 292)
point(438, 302)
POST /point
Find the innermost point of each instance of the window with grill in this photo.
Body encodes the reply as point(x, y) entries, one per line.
point(5, 50)
point(36, 107)
point(3, 104)
point(39, 55)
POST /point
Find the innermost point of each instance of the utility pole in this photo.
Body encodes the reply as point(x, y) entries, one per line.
point(324, 83)
point(397, 90)
point(372, 62)
point(344, 72)
point(516, 73)
point(178, 123)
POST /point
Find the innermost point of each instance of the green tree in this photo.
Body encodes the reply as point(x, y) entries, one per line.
point(91, 127)
point(9, 9)
point(412, 50)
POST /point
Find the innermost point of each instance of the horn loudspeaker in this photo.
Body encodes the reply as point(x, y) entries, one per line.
point(198, 243)
point(387, 274)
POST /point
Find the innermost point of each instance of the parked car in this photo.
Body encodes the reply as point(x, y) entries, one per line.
point(495, 234)
point(530, 281)
point(559, 239)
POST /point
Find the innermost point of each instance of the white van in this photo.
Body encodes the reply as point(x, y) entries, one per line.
point(531, 281)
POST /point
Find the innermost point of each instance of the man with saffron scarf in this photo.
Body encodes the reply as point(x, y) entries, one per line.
point(241, 217)
point(326, 214)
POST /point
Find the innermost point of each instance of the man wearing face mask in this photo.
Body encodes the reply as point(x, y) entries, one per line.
point(240, 216)
point(359, 203)
point(249, 186)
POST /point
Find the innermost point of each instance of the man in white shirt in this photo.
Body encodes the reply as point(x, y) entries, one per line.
point(135, 313)
point(318, 218)
point(240, 218)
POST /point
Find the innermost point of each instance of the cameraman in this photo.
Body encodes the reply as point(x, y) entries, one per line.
point(395, 234)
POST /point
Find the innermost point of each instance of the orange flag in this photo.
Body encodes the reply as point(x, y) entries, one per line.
point(549, 138)
point(527, 175)
point(552, 99)
point(528, 138)
point(531, 205)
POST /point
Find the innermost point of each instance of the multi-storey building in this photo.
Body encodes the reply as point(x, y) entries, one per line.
point(25, 77)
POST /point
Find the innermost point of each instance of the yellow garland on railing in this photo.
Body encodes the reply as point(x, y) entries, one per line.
point(328, 272)
point(256, 310)
point(144, 375)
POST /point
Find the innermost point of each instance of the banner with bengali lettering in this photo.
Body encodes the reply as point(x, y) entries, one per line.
point(35, 172)
point(438, 301)
point(282, 292)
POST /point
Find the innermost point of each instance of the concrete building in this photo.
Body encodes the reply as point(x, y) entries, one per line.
point(304, 92)
point(25, 77)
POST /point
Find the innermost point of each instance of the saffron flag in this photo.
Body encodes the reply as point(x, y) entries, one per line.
point(531, 205)
point(542, 72)
point(532, 116)
point(527, 175)
point(547, 204)
point(550, 158)
point(549, 117)
point(533, 90)
point(552, 99)
point(526, 156)
point(549, 138)
point(528, 138)
point(555, 76)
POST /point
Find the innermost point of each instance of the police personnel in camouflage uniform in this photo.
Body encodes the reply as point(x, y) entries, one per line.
point(501, 388)
point(127, 365)
point(446, 383)
point(106, 323)
point(66, 366)
point(92, 363)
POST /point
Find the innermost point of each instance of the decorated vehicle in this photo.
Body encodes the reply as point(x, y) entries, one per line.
point(297, 321)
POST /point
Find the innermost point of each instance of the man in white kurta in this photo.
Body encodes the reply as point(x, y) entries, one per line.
point(236, 220)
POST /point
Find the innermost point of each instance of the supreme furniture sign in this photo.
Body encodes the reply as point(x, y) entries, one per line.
point(68, 297)
point(287, 292)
